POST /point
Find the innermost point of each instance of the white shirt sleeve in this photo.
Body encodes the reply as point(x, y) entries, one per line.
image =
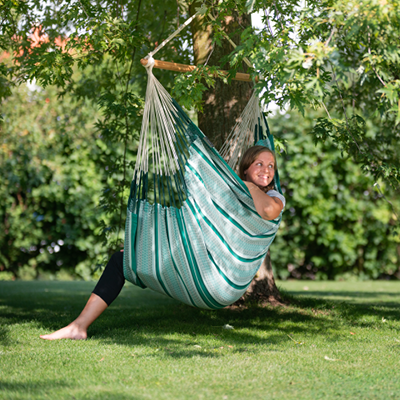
point(274, 193)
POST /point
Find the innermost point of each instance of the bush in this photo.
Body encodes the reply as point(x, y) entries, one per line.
point(51, 183)
point(336, 225)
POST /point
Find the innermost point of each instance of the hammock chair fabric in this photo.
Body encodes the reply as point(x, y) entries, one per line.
point(192, 230)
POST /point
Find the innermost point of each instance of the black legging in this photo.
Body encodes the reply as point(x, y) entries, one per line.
point(112, 280)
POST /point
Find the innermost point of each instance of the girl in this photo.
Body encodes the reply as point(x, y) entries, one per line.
point(256, 169)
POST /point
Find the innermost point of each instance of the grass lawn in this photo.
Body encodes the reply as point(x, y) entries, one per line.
point(337, 340)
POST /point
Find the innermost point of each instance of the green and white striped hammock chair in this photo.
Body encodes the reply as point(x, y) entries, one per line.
point(192, 230)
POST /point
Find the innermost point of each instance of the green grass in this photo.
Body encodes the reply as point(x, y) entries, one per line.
point(344, 343)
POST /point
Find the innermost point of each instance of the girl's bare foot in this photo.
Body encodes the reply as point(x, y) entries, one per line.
point(78, 329)
point(72, 331)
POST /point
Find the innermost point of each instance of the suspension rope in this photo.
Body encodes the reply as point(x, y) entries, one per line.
point(201, 10)
point(234, 45)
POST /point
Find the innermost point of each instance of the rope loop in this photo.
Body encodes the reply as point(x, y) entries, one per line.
point(150, 64)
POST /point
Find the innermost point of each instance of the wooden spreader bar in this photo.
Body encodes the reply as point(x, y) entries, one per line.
point(170, 66)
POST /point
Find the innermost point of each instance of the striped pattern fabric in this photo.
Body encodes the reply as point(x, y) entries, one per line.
point(206, 252)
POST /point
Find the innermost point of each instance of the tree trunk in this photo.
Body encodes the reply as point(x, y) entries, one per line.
point(263, 289)
point(222, 105)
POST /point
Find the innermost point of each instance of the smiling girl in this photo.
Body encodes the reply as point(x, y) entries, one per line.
point(257, 170)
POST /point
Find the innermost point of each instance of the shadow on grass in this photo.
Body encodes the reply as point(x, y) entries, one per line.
point(4, 340)
point(140, 317)
point(47, 387)
point(33, 388)
point(353, 295)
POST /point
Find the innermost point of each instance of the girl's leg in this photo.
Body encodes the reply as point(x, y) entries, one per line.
point(78, 328)
point(107, 289)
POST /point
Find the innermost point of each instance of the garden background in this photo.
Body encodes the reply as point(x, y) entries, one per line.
point(72, 93)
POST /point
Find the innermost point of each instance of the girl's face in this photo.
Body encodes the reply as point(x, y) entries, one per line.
point(262, 170)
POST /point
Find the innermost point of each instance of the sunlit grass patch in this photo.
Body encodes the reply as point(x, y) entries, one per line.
point(336, 339)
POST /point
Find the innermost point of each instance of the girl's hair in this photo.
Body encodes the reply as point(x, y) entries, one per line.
point(249, 157)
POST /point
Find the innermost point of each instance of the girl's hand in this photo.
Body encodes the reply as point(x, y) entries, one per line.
point(267, 207)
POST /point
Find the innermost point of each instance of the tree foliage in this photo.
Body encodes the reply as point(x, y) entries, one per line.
point(339, 56)
point(52, 168)
point(337, 225)
point(89, 51)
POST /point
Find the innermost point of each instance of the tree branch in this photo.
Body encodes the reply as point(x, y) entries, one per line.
point(344, 109)
point(330, 36)
point(345, 115)
point(369, 52)
point(329, 116)
point(83, 8)
point(266, 13)
point(278, 15)
point(177, 14)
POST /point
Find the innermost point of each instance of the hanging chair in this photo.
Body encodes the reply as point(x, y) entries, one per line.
point(192, 230)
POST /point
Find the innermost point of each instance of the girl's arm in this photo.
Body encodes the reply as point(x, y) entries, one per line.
point(268, 207)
